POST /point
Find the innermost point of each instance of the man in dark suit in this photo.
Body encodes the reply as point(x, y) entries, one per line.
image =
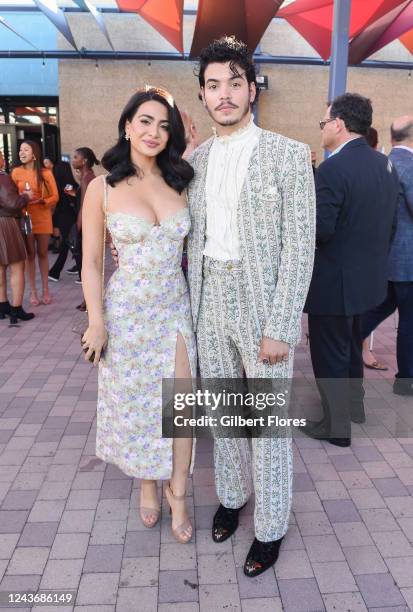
point(400, 270)
point(356, 191)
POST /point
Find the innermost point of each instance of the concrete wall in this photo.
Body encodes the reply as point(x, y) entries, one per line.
point(91, 98)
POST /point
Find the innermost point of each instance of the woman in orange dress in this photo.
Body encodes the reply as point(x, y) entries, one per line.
point(32, 175)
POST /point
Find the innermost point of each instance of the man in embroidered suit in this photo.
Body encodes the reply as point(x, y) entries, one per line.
point(250, 256)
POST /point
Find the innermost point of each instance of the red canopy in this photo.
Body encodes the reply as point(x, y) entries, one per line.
point(166, 16)
point(407, 40)
point(314, 19)
point(382, 32)
point(247, 19)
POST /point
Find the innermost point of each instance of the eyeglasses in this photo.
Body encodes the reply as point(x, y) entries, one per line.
point(325, 121)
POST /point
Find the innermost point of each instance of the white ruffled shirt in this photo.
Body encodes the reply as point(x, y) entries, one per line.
point(227, 168)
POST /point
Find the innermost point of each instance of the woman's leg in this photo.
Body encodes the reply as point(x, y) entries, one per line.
point(3, 284)
point(31, 270)
point(17, 282)
point(182, 447)
point(43, 257)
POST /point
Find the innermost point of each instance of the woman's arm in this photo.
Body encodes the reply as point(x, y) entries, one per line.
point(95, 337)
point(51, 199)
point(10, 199)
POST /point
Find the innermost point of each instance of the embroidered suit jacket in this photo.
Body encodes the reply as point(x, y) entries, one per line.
point(276, 224)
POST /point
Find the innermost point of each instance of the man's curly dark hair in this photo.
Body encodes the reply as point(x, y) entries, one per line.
point(227, 49)
point(356, 111)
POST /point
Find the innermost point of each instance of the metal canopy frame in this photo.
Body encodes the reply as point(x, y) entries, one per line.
point(338, 63)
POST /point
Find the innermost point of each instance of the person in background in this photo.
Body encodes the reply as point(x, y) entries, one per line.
point(356, 189)
point(55, 240)
point(65, 213)
point(400, 268)
point(32, 175)
point(12, 248)
point(83, 160)
point(370, 361)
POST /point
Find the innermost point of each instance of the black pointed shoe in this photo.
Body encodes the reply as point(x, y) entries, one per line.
point(225, 523)
point(261, 556)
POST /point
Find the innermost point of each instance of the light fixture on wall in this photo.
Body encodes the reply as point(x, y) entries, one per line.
point(262, 82)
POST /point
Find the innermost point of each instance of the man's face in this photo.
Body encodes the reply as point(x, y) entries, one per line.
point(329, 132)
point(227, 96)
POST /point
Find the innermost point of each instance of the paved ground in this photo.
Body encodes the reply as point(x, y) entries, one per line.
point(68, 521)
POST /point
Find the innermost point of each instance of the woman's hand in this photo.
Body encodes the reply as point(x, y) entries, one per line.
point(94, 341)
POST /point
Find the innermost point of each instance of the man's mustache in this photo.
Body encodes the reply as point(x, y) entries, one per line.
point(226, 104)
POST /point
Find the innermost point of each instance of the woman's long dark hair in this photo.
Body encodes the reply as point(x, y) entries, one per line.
point(89, 156)
point(176, 172)
point(38, 161)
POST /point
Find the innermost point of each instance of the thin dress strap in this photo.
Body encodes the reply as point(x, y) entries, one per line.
point(105, 195)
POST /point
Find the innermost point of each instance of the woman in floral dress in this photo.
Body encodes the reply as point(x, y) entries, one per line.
point(143, 333)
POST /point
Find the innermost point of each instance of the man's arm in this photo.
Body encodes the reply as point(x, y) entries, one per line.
point(406, 181)
point(297, 251)
point(330, 197)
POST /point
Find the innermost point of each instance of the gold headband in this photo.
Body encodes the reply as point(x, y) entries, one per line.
point(161, 92)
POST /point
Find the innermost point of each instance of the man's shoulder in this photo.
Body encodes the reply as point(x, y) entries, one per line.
point(278, 140)
point(401, 157)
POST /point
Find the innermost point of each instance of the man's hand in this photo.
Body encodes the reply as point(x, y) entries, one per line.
point(114, 253)
point(273, 351)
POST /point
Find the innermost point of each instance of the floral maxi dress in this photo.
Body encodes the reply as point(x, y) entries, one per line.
point(146, 305)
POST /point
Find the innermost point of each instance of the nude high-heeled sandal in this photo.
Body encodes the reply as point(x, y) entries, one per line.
point(149, 516)
point(178, 532)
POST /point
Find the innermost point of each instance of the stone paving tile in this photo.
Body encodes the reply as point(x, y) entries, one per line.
point(379, 590)
point(224, 599)
point(8, 542)
point(267, 604)
point(103, 558)
point(323, 548)
point(331, 489)
point(351, 602)
point(128, 599)
point(38, 534)
point(70, 546)
point(179, 586)
point(293, 564)
point(62, 574)
point(76, 521)
point(300, 595)
point(216, 569)
point(334, 577)
point(341, 511)
point(264, 585)
point(12, 521)
point(364, 560)
point(27, 561)
point(98, 589)
point(393, 544)
point(175, 556)
point(108, 532)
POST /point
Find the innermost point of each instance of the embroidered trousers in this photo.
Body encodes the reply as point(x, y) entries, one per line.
point(229, 336)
